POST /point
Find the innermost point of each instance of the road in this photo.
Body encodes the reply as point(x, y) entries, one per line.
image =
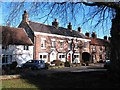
point(90, 68)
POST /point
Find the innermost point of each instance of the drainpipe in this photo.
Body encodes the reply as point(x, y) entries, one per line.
point(34, 48)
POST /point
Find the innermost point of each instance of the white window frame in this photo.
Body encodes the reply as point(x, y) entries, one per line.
point(61, 41)
point(76, 44)
point(85, 44)
point(43, 55)
point(25, 47)
point(53, 44)
point(69, 43)
point(62, 59)
point(43, 41)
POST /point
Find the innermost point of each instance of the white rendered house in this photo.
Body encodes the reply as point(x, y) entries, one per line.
point(15, 45)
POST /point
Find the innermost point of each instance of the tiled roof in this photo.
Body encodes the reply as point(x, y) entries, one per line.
point(99, 42)
point(38, 27)
point(14, 36)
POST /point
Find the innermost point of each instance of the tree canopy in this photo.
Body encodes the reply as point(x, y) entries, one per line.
point(99, 15)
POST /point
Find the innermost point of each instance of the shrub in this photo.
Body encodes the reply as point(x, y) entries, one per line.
point(13, 65)
point(101, 61)
point(67, 64)
point(57, 62)
point(47, 65)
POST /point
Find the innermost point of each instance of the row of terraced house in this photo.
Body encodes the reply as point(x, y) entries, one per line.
point(33, 40)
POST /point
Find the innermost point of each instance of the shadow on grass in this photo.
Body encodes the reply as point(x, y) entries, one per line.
point(99, 79)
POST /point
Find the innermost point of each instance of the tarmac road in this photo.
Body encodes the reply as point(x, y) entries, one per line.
point(90, 68)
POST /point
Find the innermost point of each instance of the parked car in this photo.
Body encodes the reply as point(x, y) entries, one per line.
point(35, 64)
point(107, 64)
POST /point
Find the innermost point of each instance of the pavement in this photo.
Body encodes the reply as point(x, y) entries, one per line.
point(91, 67)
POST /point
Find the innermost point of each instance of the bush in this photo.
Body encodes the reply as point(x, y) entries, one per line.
point(13, 65)
point(67, 64)
point(5, 69)
point(57, 62)
point(101, 61)
point(47, 65)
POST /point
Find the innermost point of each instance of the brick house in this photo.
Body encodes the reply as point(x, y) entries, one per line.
point(15, 45)
point(99, 48)
point(52, 42)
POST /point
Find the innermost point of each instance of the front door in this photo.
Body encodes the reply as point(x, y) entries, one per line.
point(53, 56)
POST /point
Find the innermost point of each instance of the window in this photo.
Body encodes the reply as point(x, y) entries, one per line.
point(4, 47)
point(61, 44)
point(53, 44)
point(100, 48)
point(6, 58)
point(85, 44)
point(69, 46)
point(76, 46)
point(44, 56)
point(61, 56)
point(43, 43)
point(26, 47)
point(100, 56)
point(40, 56)
point(76, 56)
point(93, 48)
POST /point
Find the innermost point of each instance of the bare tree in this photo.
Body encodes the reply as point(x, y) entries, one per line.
point(104, 11)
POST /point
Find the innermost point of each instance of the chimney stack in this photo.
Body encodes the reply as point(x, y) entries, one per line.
point(87, 34)
point(94, 35)
point(55, 23)
point(105, 37)
point(70, 26)
point(79, 30)
point(109, 38)
point(25, 16)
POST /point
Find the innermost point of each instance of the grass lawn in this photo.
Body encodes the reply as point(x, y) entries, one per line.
point(63, 80)
point(17, 83)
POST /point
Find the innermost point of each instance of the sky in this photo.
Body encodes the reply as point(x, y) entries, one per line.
point(87, 27)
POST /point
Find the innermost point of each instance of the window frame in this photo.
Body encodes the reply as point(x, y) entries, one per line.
point(43, 43)
point(53, 43)
point(26, 47)
point(61, 44)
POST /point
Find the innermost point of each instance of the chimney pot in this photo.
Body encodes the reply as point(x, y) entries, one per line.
point(55, 23)
point(25, 16)
point(87, 34)
point(109, 38)
point(94, 35)
point(70, 26)
point(105, 37)
point(79, 29)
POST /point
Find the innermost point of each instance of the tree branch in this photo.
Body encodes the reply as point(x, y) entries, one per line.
point(113, 5)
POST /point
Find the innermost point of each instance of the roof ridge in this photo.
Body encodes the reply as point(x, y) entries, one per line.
point(40, 23)
point(50, 25)
point(51, 29)
point(12, 27)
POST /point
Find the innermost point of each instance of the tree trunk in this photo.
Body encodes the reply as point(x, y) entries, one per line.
point(115, 44)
